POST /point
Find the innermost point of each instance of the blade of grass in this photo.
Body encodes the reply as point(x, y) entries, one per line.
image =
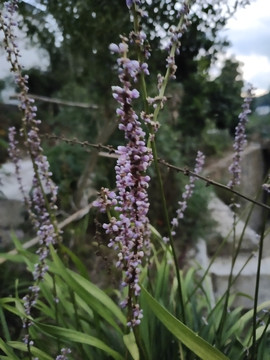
point(190, 339)
point(41, 355)
point(77, 336)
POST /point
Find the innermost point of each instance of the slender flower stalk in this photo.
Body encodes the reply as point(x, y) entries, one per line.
point(158, 103)
point(189, 189)
point(64, 354)
point(240, 140)
point(131, 2)
point(129, 233)
point(42, 204)
point(173, 49)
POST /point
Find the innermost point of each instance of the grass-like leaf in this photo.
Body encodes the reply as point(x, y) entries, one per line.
point(35, 351)
point(8, 351)
point(92, 295)
point(79, 337)
point(190, 339)
point(130, 342)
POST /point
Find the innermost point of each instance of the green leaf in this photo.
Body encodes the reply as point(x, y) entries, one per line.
point(91, 294)
point(34, 351)
point(246, 318)
point(189, 338)
point(80, 266)
point(11, 257)
point(248, 315)
point(8, 350)
point(77, 336)
point(4, 324)
point(130, 342)
point(99, 295)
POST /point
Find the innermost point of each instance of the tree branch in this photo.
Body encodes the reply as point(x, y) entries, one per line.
point(209, 182)
point(110, 150)
point(74, 217)
point(59, 102)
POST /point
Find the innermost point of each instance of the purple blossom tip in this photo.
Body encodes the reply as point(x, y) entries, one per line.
point(131, 2)
point(114, 48)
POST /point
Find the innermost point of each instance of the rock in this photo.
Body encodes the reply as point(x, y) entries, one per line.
point(12, 209)
point(223, 217)
point(252, 175)
point(245, 283)
point(9, 186)
point(12, 217)
point(201, 259)
point(11, 213)
point(216, 281)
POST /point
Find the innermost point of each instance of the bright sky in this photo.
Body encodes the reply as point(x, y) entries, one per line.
point(249, 33)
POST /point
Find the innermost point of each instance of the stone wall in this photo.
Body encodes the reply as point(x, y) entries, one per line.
point(253, 172)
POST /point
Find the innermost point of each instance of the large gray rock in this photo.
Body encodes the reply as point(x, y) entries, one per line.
point(12, 213)
point(223, 218)
point(244, 276)
point(9, 187)
point(252, 176)
point(245, 283)
point(12, 218)
point(12, 210)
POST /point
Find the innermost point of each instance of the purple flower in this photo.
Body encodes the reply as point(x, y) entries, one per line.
point(189, 188)
point(240, 140)
point(129, 233)
point(64, 354)
point(42, 204)
point(131, 2)
point(174, 41)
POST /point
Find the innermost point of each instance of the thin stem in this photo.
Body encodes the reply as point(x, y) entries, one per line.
point(254, 347)
point(110, 153)
point(140, 343)
point(236, 251)
point(168, 72)
point(209, 182)
point(233, 281)
point(154, 151)
point(168, 225)
point(264, 332)
point(56, 308)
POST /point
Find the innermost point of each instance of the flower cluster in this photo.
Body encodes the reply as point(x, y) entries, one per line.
point(42, 204)
point(64, 354)
point(240, 140)
point(175, 39)
point(189, 188)
point(266, 186)
point(131, 2)
point(129, 234)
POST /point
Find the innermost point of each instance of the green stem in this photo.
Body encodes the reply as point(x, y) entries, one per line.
point(140, 343)
point(168, 225)
point(56, 308)
point(230, 280)
point(168, 72)
point(236, 251)
point(254, 347)
point(154, 150)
